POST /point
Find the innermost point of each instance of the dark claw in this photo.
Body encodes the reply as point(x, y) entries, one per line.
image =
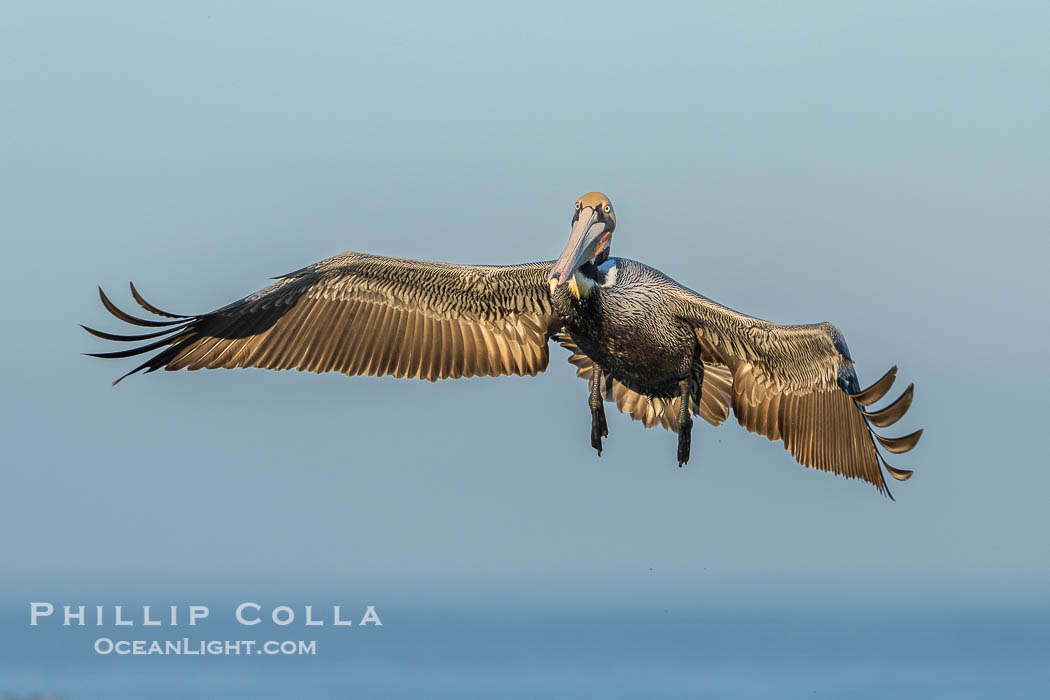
point(596, 438)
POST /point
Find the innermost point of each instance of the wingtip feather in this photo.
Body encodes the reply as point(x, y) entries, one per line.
point(150, 307)
point(876, 391)
point(128, 318)
point(891, 414)
point(901, 444)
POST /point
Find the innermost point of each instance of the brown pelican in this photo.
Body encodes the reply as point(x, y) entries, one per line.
point(659, 351)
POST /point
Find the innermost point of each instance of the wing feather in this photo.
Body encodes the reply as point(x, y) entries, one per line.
point(364, 314)
point(797, 384)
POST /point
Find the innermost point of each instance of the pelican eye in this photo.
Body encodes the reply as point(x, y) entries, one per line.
point(577, 206)
point(607, 209)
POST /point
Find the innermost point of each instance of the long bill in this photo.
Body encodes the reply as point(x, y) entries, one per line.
point(586, 240)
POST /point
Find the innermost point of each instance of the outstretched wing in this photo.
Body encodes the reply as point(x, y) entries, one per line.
point(797, 384)
point(364, 314)
point(715, 397)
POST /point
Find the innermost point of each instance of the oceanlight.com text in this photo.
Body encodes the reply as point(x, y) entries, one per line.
point(204, 647)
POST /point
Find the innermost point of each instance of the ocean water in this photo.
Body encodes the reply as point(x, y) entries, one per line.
point(469, 649)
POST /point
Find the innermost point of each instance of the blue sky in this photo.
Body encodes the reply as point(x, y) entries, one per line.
point(879, 165)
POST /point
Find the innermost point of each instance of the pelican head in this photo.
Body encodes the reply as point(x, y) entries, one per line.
point(592, 226)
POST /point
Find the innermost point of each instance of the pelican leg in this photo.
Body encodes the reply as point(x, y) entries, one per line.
point(685, 417)
point(599, 428)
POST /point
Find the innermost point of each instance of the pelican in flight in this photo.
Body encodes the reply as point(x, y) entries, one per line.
point(660, 352)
